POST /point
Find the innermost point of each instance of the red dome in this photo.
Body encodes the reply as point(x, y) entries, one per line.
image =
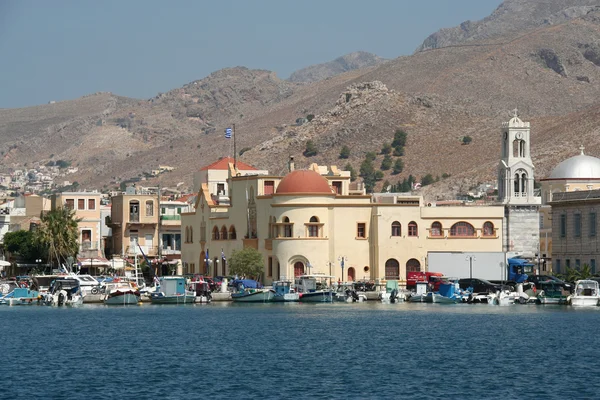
point(304, 181)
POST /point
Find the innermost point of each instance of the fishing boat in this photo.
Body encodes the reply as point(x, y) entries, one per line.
point(21, 296)
point(586, 293)
point(284, 292)
point(314, 288)
point(420, 295)
point(121, 293)
point(250, 291)
point(202, 290)
point(172, 290)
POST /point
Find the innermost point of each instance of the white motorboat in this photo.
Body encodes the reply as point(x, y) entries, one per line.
point(63, 292)
point(586, 293)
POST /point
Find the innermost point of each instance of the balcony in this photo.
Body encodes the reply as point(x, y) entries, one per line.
point(175, 217)
point(150, 251)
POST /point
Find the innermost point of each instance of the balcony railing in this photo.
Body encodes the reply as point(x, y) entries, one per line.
point(170, 217)
point(150, 251)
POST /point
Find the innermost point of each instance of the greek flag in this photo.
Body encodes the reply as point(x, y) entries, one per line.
point(223, 255)
point(228, 133)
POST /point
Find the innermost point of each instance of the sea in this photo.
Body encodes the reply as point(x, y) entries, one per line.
point(308, 351)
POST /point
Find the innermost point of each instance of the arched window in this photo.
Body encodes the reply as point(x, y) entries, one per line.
point(413, 229)
point(413, 265)
point(149, 208)
point(215, 233)
point(436, 229)
point(232, 234)
point(462, 229)
point(396, 229)
point(351, 274)
point(313, 227)
point(287, 227)
point(298, 268)
point(488, 229)
point(392, 269)
point(223, 232)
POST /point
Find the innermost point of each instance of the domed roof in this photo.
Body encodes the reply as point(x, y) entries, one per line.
point(303, 181)
point(578, 167)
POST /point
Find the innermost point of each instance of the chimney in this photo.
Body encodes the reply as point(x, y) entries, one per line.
point(291, 163)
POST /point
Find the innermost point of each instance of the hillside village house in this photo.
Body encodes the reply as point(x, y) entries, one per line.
point(308, 222)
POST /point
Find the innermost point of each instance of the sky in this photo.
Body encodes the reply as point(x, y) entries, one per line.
point(59, 50)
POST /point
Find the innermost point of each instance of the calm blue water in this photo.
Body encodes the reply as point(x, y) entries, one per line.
point(320, 351)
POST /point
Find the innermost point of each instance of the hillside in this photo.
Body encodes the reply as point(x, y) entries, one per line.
point(348, 62)
point(550, 72)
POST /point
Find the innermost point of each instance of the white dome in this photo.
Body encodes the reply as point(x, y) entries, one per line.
point(578, 167)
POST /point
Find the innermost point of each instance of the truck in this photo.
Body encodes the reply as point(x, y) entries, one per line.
point(495, 267)
point(433, 278)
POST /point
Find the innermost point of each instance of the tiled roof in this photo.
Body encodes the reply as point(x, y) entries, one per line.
point(224, 162)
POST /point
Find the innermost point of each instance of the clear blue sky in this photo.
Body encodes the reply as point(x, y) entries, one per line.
point(58, 50)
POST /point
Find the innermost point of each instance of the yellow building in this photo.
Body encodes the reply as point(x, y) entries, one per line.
point(134, 219)
point(309, 222)
point(87, 209)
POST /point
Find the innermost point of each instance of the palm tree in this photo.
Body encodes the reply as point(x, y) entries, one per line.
point(58, 233)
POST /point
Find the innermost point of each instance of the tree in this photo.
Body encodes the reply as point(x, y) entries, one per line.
point(247, 262)
point(427, 180)
point(467, 139)
point(386, 149)
point(384, 188)
point(345, 152)
point(445, 175)
point(386, 163)
point(399, 138)
point(58, 233)
point(310, 117)
point(352, 171)
point(398, 151)
point(311, 149)
point(366, 168)
point(21, 242)
point(398, 166)
point(371, 156)
point(379, 175)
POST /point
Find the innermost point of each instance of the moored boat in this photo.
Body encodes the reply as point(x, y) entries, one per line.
point(314, 289)
point(586, 293)
point(63, 292)
point(172, 290)
point(551, 293)
point(250, 291)
point(284, 292)
point(121, 293)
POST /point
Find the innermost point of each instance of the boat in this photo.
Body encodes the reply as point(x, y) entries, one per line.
point(21, 296)
point(64, 291)
point(172, 290)
point(393, 293)
point(121, 293)
point(90, 288)
point(586, 293)
point(202, 290)
point(345, 292)
point(250, 291)
point(420, 295)
point(314, 288)
point(552, 292)
point(284, 292)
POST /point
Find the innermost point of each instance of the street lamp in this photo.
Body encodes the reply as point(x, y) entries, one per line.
point(470, 259)
point(342, 260)
point(38, 262)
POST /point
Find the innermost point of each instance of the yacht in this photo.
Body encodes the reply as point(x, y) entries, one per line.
point(586, 293)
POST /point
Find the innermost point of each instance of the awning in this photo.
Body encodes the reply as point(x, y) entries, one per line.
point(94, 262)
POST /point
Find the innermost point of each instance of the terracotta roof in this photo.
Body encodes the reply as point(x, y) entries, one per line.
point(303, 181)
point(224, 162)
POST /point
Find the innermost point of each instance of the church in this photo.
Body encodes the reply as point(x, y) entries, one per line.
point(316, 221)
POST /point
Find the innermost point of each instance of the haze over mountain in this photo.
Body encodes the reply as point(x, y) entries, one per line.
point(348, 62)
point(550, 71)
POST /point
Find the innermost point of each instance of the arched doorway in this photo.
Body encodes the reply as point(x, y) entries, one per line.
point(298, 268)
point(413, 265)
point(351, 274)
point(392, 269)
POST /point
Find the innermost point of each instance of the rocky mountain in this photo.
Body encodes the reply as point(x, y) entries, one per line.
point(512, 17)
point(550, 72)
point(349, 62)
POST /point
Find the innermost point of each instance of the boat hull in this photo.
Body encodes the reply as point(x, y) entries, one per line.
point(122, 299)
point(317, 297)
point(584, 301)
point(182, 299)
point(288, 297)
point(259, 296)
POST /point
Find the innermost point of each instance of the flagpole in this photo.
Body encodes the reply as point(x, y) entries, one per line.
point(234, 151)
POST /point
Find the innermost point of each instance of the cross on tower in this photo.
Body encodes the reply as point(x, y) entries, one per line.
point(581, 148)
point(515, 113)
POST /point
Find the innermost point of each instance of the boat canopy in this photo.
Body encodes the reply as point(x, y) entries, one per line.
point(248, 283)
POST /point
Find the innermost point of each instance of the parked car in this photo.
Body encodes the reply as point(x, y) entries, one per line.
point(538, 279)
point(481, 285)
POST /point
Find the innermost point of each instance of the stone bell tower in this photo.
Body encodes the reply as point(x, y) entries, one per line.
point(516, 189)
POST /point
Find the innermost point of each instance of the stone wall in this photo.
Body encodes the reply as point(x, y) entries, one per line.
point(522, 227)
